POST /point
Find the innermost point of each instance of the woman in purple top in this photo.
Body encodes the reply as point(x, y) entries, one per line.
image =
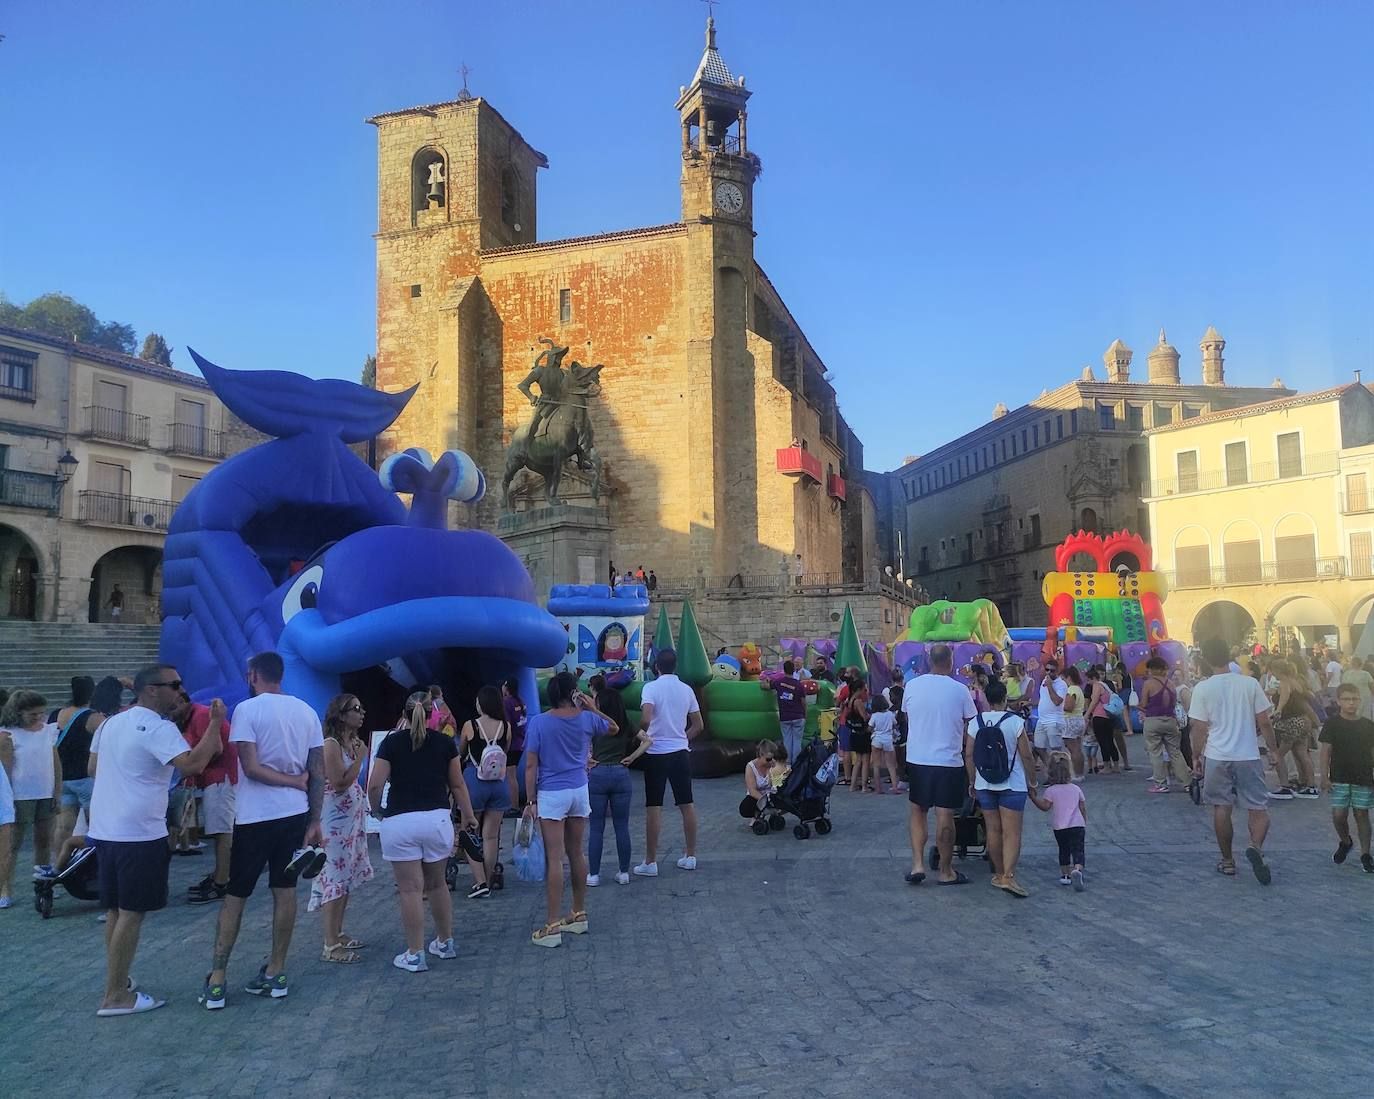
point(515, 718)
point(557, 752)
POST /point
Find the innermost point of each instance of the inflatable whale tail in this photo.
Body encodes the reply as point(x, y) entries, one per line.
point(283, 405)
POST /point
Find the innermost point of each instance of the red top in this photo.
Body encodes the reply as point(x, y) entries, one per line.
point(221, 766)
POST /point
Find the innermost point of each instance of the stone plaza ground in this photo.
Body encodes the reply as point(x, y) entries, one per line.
point(778, 968)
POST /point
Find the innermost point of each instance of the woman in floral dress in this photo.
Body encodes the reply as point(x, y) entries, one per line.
point(344, 816)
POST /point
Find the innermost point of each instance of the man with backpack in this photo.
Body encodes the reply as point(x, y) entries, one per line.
point(997, 755)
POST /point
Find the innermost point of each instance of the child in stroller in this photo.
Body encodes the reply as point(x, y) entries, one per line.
point(757, 805)
point(77, 876)
point(806, 792)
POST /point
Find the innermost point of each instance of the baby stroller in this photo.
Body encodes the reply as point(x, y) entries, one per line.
point(805, 793)
point(969, 833)
point(78, 878)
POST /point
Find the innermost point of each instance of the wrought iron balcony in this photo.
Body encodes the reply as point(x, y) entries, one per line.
point(19, 489)
point(1253, 473)
point(114, 509)
point(115, 425)
point(195, 440)
point(1260, 572)
point(1357, 503)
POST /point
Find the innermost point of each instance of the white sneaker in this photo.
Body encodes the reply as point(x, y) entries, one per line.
point(444, 949)
point(647, 870)
point(622, 878)
point(411, 963)
point(593, 880)
point(687, 862)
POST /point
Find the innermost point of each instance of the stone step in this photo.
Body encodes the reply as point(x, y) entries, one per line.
point(43, 656)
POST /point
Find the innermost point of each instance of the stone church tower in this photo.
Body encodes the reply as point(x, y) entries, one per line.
point(708, 381)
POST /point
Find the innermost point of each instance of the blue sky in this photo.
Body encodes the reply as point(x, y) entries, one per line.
point(961, 202)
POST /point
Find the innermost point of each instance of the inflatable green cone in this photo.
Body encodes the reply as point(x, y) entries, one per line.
point(693, 665)
point(850, 652)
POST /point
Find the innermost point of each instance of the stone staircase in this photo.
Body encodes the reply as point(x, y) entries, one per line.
point(43, 656)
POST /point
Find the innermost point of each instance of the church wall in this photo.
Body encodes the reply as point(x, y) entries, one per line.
point(629, 312)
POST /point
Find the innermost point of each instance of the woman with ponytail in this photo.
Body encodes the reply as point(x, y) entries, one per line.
point(421, 765)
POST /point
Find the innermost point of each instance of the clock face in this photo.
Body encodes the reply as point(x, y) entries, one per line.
point(729, 198)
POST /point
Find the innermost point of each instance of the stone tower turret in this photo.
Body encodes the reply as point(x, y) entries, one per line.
point(1213, 368)
point(1117, 359)
point(1163, 362)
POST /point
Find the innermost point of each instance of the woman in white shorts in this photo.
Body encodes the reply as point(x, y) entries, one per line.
point(421, 766)
point(557, 747)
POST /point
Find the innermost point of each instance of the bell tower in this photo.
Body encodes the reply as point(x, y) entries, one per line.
point(718, 171)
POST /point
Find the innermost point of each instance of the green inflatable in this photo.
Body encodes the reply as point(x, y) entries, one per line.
point(942, 620)
point(849, 653)
point(693, 665)
point(744, 711)
point(663, 638)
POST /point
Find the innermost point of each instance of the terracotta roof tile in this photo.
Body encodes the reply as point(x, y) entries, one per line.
point(595, 238)
point(1315, 397)
point(108, 357)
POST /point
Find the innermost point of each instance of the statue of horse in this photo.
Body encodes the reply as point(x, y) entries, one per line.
point(564, 432)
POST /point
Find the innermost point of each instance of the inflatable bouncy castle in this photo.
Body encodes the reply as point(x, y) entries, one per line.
point(605, 628)
point(297, 545)
point(1123, 594)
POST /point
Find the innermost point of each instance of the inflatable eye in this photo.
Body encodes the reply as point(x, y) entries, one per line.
point(303, 594)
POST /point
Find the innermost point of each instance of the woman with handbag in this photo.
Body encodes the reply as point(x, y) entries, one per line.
point(1099, 707)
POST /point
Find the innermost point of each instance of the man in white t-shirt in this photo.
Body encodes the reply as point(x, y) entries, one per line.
point(938, 709)
point(1226, 716)
point(133, 757)
point(276, 820)
point(1333, 671)
point(1049, 714)
point(671, 716)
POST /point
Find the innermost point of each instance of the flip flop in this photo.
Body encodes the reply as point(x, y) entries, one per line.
point(1258, 865)
point(960, 878)
point(916, 878)
point(142, 1002)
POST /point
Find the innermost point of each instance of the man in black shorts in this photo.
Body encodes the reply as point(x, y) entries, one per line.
point(938, 709)
point(132, 757)
point(276, 821)
point(672, 717)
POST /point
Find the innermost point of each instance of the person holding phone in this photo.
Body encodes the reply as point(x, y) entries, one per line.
point(557, 750)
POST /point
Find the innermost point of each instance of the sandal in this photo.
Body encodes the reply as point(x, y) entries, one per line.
point(339, 953)
point(574, 922)
point(549, 935)
point(1227, 867)
point(352, 944)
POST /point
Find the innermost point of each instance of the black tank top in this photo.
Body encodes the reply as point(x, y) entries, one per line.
point(75, 748)
point(477, 744)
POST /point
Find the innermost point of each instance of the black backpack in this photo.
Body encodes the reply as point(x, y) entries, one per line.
point(990, 757)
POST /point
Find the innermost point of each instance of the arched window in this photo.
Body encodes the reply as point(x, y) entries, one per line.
point(1088, 521)
point(428, 181)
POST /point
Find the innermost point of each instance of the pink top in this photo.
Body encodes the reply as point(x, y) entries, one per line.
point(1064, 811)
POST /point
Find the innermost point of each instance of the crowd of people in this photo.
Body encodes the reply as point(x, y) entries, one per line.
point(279, 792)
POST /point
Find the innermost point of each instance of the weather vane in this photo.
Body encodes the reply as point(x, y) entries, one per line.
point(710, 7)
point(464, 72)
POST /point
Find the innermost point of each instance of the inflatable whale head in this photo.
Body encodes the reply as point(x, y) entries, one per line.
point(297, 545)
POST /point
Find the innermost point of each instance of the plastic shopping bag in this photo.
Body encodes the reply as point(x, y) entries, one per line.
point(528, 854)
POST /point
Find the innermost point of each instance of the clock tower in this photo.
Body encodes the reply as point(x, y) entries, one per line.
point(718, 171)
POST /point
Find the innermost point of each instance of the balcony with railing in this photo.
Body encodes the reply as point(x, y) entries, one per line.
point(1306, 569)
point(195, 441)
point(115, 425)
point(114, 509)
point(19, 489)
point(1357, 503)
point(23, 393)
point(1253, 473)
point(798, 461)
point(834, 486)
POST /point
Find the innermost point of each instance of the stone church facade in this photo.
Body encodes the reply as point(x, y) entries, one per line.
point(708, 379)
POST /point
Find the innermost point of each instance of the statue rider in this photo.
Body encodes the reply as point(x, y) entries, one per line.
point(548, 374)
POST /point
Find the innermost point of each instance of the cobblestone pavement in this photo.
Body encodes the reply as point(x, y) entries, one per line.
point(778, 968)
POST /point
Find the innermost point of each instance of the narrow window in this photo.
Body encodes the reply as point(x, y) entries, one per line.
point(564, 306)
point(1290, 455)
point(1237, 469)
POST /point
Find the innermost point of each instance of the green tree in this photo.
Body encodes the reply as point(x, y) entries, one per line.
point(369, 376)
point(155, 349)
point(62, 316)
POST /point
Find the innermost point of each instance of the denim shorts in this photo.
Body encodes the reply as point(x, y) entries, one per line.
point(76, 793)
point(989, 800)
point(486, 794)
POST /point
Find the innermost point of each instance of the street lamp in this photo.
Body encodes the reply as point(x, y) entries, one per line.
point(66, 466)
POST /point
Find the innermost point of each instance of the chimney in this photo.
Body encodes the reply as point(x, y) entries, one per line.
point(1213, 368)
point(1117, 359)
point(1163, 362)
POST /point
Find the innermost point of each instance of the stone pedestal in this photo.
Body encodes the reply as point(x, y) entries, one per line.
point(560, 544)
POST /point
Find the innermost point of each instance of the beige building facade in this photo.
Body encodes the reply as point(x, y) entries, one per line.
point(96, 450)
point(1264, 519)
point(708, 382)
point(980, 516)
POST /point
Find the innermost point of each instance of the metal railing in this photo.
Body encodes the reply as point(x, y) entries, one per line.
point(1253, 473)
point(18, 393)
point(195, 440)
point(1356, 503)
point(116, 425)
point(1361, 567)
point(29, 490)
point(777, 583)
point(1261, 572)
point(114, 509)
